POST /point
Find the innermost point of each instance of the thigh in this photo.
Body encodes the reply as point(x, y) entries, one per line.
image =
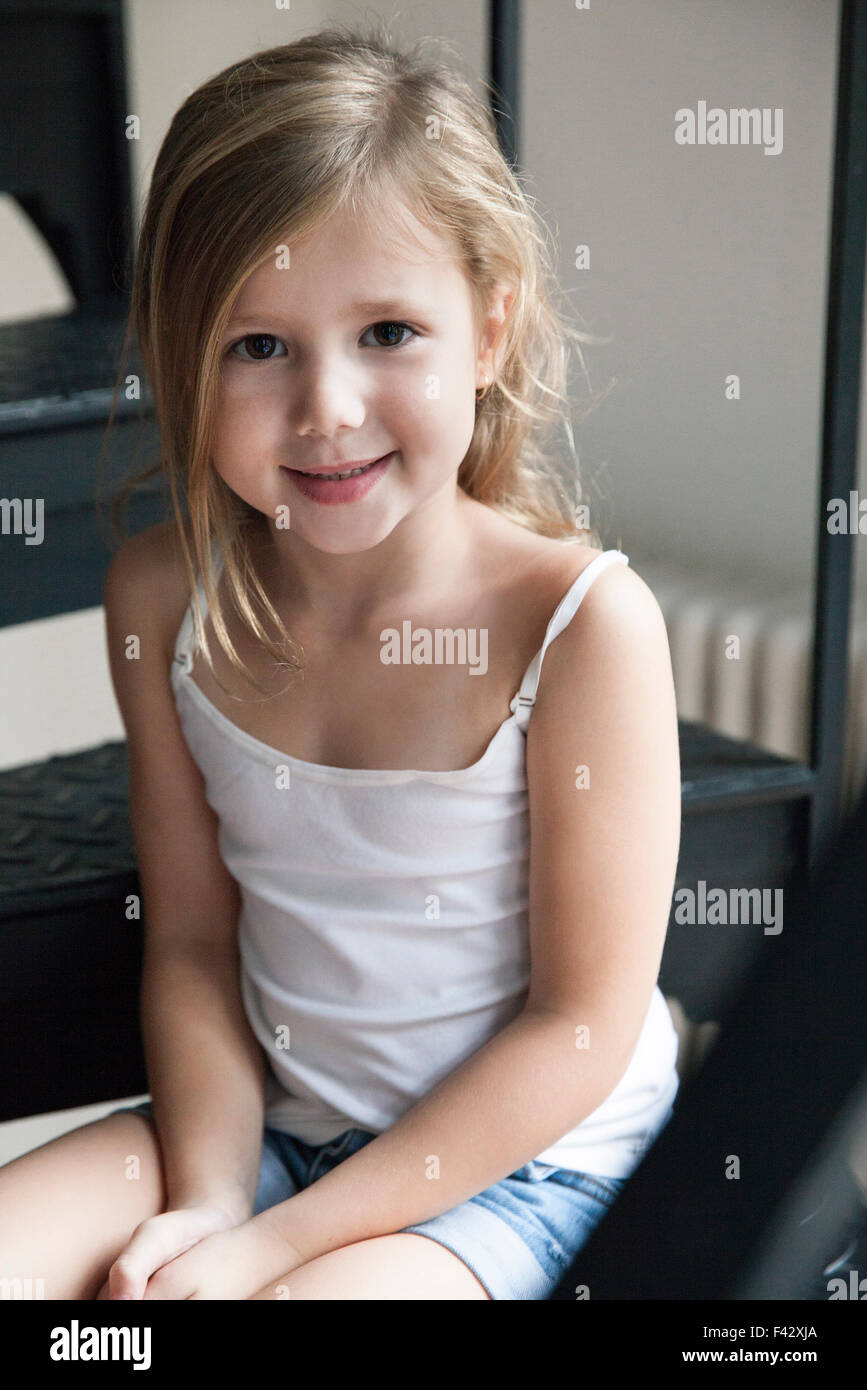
point(387, 1268)
point(68, 1207)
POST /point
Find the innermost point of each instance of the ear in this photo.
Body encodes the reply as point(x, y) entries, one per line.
point(489, 357)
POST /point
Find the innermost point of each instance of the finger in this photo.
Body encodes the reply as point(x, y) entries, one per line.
point(173, 1281)
point(153, 1244)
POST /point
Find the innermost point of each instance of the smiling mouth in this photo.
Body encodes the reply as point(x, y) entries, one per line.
point(338, 477)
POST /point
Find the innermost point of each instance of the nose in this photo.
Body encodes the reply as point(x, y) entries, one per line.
point(328, 398)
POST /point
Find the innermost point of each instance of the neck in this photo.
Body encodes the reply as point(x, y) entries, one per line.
point(345, 592)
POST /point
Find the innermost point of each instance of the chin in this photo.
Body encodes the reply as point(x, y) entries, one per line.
point(354, 541)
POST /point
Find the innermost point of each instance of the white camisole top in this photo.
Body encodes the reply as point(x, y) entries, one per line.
point(384, 928)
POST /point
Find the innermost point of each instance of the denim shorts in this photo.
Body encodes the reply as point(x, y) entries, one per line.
point(519, 1237)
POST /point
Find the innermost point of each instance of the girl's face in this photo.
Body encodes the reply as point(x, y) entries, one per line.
point(353, 346)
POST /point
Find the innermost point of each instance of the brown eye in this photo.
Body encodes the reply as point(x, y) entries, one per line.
point(390, 329)
point(260, 346)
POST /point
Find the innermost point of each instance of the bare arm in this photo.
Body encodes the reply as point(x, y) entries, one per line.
point(206, 1076)
point(205, 1066)
point(522, 1091)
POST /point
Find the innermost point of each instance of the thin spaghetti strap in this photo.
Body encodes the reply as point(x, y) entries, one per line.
point(185, 642)
point(566, 609)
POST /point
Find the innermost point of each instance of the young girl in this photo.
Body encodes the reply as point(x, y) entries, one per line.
point(403, 926)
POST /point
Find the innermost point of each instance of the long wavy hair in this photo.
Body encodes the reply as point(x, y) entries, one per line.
point(265, 152)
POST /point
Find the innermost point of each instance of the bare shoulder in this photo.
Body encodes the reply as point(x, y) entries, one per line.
point(532, 573)
point(548, 568)
point(152, 555)
point(615, 644)
point(617, 591)
point(146, 583)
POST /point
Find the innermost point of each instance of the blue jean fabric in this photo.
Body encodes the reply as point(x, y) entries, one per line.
point(519, 1237)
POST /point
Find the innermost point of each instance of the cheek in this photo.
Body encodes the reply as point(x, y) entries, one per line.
point(226, 451)
point(458, 395)
point(439, 411)
point(241, 424)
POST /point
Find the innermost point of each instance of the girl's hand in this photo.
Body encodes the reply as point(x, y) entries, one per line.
point(230, 1264)
point(159, 1240)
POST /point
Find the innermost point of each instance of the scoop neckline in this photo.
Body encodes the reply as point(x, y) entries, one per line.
point(323, 771)
point(326, 771)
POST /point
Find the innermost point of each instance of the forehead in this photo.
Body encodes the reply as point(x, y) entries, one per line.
point(380, 254)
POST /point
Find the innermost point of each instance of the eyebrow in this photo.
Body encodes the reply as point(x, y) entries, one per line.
point(372, 307)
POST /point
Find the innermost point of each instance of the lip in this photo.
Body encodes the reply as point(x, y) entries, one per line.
point(328, 492)
point(340, 467)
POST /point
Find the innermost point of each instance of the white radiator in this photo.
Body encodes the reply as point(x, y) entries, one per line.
point(762, 693)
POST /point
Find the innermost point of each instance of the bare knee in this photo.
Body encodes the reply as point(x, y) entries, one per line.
point(68, 1207)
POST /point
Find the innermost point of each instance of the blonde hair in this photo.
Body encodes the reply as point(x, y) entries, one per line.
point(265, 152)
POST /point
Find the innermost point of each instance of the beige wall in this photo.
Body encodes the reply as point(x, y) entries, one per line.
point(172, 47)
point(705, 261)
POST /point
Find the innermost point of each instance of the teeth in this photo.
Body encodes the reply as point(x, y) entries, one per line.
point(337, 477)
